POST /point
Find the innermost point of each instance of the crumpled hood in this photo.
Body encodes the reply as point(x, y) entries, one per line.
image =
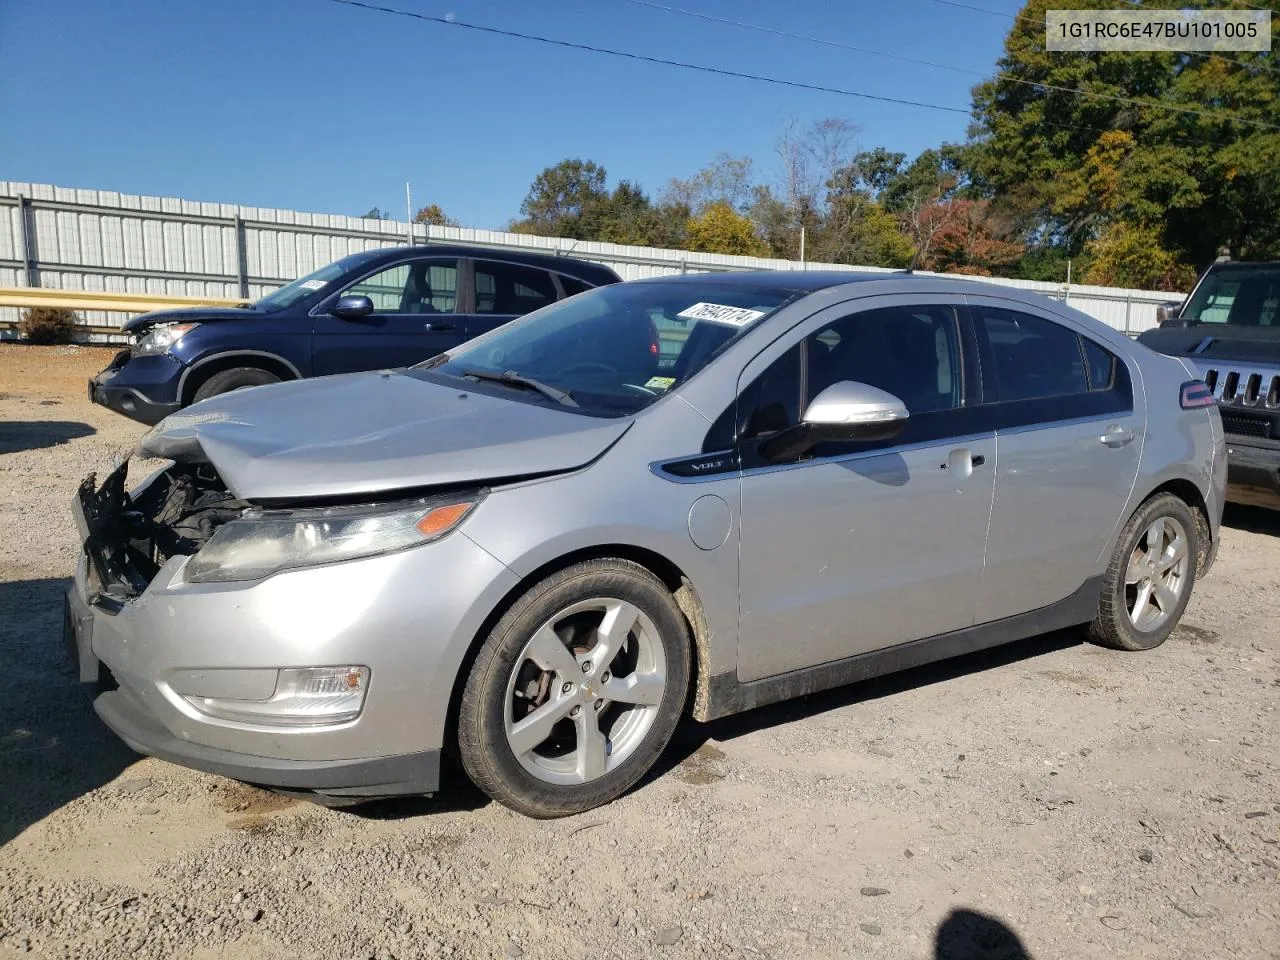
point(373, 432)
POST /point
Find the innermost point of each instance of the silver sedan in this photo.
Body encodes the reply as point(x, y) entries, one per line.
point(694, 495)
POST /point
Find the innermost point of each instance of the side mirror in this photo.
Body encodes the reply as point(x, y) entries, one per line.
point(845, 411)
point(352, 307)
point(1167, 312)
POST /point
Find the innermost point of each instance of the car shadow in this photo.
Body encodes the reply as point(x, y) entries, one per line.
point(1252, 519)
point(37, 434)
point(53, 748)
point(692, 735)
point(969, 935)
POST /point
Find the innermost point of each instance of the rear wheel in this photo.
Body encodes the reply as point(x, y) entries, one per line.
point(577, 690)
point(1149, 580)
point(234, 379)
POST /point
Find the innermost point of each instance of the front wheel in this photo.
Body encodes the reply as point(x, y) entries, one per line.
point(576, 691)
point(1148, 582)
point(237, 378)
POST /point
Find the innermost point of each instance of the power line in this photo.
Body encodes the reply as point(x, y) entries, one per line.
point(1130, 101)
point(648, 59)
point(1190, 53)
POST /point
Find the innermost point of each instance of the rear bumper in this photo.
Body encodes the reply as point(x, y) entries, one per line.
point(1253, 473)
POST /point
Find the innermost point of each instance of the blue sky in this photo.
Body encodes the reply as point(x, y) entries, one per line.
point(309, 105)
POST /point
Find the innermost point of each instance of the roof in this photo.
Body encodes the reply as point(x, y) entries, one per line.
point(594, 272)
point(805, 280)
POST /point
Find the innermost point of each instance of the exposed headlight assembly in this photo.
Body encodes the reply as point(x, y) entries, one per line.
point(263, 542)
point(160, 338)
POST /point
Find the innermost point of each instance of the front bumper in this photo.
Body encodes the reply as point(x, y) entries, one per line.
point(117, 387)
point(1253, 472)
point(176, 639)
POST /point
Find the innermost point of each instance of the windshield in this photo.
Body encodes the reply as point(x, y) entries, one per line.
point(1239, 296)
point(616, 349)
point(304, 287)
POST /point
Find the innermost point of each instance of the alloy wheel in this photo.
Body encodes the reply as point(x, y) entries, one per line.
point(585, 691)
point(1156, 574)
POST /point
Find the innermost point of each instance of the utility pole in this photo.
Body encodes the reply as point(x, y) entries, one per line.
point(408, 210)
point(802, 246)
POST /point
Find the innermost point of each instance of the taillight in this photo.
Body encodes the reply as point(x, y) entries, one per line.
point(1196, 393)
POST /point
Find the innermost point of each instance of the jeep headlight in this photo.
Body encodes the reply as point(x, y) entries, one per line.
point(263, 542)
point(160, 338)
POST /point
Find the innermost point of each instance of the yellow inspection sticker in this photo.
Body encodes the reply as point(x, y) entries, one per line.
point(660, 383)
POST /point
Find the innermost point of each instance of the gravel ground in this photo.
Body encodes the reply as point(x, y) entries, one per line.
point(1049, 799)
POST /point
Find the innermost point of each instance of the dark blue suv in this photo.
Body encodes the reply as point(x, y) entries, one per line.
point(391, 307)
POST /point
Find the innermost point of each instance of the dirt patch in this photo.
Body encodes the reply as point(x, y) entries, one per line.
point(1193, 634)
point(1076, 678)
point(704, 767)
point(232, 797)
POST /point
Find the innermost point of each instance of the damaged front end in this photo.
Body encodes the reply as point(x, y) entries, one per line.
point(128, 537)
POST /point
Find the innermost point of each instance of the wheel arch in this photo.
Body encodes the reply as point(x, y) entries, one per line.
point(673, 578)
point(198, 373)
point(1189, 493)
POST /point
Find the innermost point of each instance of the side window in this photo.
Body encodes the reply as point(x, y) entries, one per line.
point(1101, 363)
point(1033, 357)
point(912, 352)
point(429, 286)
point(572, 285)
point(509, 288)
point(385, 288)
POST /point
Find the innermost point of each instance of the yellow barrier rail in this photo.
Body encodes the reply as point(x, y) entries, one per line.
point(104, 300)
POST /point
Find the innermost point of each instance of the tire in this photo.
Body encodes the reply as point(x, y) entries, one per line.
point(592, 629)
point(1120, 623)
point(234, 379)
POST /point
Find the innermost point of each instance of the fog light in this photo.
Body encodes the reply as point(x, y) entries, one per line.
point(304, 697)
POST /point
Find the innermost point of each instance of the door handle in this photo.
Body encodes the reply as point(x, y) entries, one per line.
point(439, 325)
point(1116, 436)
point(961, 462)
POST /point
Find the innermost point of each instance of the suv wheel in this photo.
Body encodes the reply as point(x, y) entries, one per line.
point(1149, 580)
point(234, 379)
point(576, 691)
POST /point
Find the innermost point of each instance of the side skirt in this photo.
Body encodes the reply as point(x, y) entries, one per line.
point(728, 696)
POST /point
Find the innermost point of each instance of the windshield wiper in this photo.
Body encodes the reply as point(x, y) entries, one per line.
point(513, 379)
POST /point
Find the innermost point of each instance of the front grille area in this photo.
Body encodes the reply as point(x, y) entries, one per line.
point(1243, 425)
point(1244, 388)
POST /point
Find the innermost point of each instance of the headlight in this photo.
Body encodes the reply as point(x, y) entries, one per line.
point(161, 337)
point(264, 542)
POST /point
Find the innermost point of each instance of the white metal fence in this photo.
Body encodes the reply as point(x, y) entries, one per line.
point(71, 239)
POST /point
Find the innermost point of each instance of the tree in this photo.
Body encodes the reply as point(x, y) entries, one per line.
point(560, 197)
point(1194, 177)
point(968, 238)
point(375, 214)
point(433, 216)
point(1130, 255)
point(721, 229)
point(726, 179)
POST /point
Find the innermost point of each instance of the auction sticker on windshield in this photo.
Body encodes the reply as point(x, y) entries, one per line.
point(719, 313)
point(314, 284)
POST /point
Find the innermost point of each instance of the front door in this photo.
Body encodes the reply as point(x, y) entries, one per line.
point(414, 317)
point(862, 546)
point(1069, 431)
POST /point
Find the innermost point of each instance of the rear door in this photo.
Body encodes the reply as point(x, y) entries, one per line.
point(1069, 420)
point(504, 291)
point(415, 316)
